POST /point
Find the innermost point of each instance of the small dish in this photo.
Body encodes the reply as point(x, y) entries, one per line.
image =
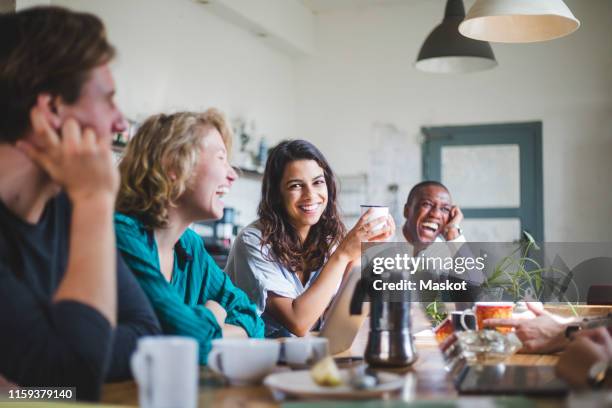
point(487, 346)
point(301, 385)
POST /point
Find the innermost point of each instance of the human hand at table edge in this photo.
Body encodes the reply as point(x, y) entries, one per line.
point(587, 348)
point(299, 315)
point(217, 310)
point(4, 383)
point(544, 333)
point(234, 332)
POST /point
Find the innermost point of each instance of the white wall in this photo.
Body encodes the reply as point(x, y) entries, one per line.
point(363, 78)
point(361, 88)
point(22, 4)
point(286, 24)
point(175, 55)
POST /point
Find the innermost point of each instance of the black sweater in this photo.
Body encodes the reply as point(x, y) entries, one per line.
point(67, 343)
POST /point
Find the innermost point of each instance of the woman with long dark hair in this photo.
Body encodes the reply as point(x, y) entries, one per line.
point(291, 261)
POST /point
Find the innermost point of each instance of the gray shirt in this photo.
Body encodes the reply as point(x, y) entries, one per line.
point(252, 269)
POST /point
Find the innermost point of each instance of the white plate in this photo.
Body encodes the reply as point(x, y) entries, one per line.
point(300, 384)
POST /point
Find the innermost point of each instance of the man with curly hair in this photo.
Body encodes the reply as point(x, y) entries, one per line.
point(175, 171)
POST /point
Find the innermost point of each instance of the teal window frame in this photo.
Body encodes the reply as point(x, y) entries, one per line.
point(528, 137)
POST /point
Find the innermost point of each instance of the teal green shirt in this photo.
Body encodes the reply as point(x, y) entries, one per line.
point(196, 278)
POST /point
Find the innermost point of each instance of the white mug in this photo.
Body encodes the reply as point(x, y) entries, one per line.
point(166, 370)
point(377, 212)
point(243, 361)
point(305, 350)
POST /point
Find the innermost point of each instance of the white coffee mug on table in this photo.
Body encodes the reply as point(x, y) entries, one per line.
point(305, 350)
point(243, 361)
point(167, 372)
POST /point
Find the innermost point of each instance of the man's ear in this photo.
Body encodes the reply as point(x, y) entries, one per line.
point(49, 106)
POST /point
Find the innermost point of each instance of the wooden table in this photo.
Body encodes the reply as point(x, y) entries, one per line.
point(426, 379)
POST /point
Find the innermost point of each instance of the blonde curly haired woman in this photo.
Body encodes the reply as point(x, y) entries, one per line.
point(174, 172)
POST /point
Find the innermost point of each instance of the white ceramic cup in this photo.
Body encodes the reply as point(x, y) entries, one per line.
point(305, 350)
point(166, 370)
point(377, 212)
point(243, 361)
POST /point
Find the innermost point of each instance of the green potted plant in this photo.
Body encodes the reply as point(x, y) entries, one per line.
point(518, 276)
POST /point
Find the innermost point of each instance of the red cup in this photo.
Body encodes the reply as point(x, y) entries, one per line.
point(443, 330)
point(491, 310)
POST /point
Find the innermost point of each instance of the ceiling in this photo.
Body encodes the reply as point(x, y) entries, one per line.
point(321, 6)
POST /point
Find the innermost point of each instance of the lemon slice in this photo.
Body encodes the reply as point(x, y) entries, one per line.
point(326, 373)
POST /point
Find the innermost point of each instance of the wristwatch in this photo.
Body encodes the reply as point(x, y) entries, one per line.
point(456, 226)
point(571, 329)
point(597, 373)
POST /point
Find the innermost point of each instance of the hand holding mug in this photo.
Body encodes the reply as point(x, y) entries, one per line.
point(386, 231)
point(367, 229)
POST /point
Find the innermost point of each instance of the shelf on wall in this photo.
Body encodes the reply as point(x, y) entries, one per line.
point(250, 173)
point(352, 192)
point(117, 148)
point(242, 171)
